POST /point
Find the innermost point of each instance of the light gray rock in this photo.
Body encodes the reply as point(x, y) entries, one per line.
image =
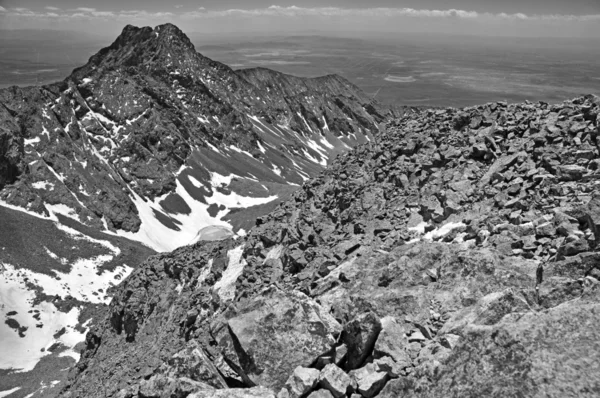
point(320, 394)
point(392, 342)
point(369, 381)
point(336, 381)
point(301, 381)
point(254, 392)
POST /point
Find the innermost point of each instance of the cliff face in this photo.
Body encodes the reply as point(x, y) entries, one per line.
point(454, 255)
point(150, 134)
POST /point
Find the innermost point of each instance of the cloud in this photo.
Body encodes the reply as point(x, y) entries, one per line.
point(381, 12)
point(326, 19)
point(2, 9)
point(399, 20)
point(84, 9)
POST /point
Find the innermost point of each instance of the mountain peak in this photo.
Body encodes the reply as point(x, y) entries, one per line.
point(172, 34)
point(163, 45)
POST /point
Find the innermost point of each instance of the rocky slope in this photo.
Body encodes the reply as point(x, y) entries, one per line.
point(153, 141)
point(455, 255)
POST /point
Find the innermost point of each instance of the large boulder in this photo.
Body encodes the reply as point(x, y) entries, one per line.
point(555, 353)
point(271, 335)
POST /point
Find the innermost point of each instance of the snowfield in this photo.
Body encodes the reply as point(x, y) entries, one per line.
point(160, 237)
point(17, 293)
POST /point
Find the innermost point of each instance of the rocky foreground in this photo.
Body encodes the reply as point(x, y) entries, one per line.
point(455, 256)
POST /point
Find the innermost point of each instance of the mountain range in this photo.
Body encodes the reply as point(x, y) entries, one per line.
point(310, 243)
point(148, 147)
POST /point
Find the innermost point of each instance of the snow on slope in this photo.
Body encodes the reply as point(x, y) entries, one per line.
point(29, 327)
point(17, 293)
point(161, 237)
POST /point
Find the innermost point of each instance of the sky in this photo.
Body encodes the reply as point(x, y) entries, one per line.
point(537, 18)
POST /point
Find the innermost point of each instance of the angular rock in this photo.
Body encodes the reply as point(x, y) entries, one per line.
point(392, 368)
point(360, 336)
point(336, 381)
point(160, 386)
point(369, 381)
point(321, 394)
point(391, 342)
point(254, 392)
point(301, 381)
point(275, 333)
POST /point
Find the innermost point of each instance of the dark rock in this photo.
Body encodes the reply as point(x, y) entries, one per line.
point(360, 336)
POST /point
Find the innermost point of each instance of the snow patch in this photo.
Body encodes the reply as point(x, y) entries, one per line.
point(233, 147)
point(195, 182)
point(42, 185)
point(217, 180)
point(419, 228)
point(63, 210)
point(31, 141)
point(24, 353)
point(260, 147)
point(277, 170)
point(156, 235)
point(443, 230)
point(225, 287)
point(6, 393)
point(79, 236)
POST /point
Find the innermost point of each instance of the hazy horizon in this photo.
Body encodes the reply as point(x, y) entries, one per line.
point(410, 69)
point(509, 18)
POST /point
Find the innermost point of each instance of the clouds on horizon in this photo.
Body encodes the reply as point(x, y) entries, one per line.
point(334, 19)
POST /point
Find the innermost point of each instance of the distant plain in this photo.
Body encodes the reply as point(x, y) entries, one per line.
point(406, 70)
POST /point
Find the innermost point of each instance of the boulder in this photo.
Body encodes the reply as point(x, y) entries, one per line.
point(321, 394)
point(391, 367)
point(369, 381)
point(273, 334)
point(391, 342)
point(360, 336)
point(160, 386)
point(254, 392)
point(336, 381)
point(533, 354)
point(301, 381)
point(571, 172)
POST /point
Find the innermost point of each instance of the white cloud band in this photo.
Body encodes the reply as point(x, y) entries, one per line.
point(278, 18)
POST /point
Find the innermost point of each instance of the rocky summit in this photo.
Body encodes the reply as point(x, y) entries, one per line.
point(455, 254)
